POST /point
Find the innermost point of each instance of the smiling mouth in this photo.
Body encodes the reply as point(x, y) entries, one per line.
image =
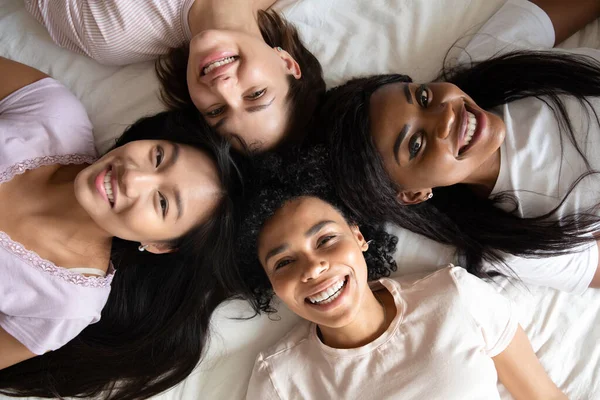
point(470, 131)
point(218, 63)
point(330, 294)
point(108, 187)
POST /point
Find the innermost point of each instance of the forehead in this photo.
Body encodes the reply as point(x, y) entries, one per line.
point(389, 106)
point(295, 217)
point(196, 177)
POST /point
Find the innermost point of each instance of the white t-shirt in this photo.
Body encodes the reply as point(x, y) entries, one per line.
point(530, 167)
point(440, 345)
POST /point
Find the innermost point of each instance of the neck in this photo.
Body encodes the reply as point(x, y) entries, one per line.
point(235, 15)
point(483, 180)
point(73, 228)
point(370, 323)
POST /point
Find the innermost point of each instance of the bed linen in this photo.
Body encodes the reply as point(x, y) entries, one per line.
point(350, 37)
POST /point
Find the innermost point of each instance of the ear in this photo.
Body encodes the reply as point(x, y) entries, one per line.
point(159, 248)
point(411, 197)
point(358, 236)
point(291, 65)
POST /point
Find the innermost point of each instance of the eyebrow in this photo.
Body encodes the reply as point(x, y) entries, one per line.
point(275, 251)
point(317, 227)
point(311, 231)
point(254, 109)
point(170, 162)
point(178, 202)
point(251, 109)
point(399, 140)
point(408, 94)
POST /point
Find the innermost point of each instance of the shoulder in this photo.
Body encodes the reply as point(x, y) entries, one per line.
point(291, 342)
point(430, 281)
point(43, 119)
point(518, 24)
point(115, 32)
point(46, 96)
point(289, 352)
point(45, 307)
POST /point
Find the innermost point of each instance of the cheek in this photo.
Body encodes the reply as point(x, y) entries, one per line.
point(133, 225)
point(283, 288)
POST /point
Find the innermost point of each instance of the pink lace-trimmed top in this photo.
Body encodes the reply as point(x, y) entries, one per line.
point(43, 305)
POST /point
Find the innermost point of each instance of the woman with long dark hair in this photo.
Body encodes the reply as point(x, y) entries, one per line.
point(245, 69)
point(152, 216)
point(496, 156)
point(448, 335)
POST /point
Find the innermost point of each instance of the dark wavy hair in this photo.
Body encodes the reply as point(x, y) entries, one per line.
point(303, 96)
point(155, 323)
point(276, 183)
point(456, 215)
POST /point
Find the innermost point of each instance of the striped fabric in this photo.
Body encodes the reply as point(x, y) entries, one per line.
point(115, 32)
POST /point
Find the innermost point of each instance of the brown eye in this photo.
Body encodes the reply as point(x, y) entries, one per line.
point(324, 240)
point(282, 264)
point(414, 145)
point(160, 155)
point(164, 204)
point(422, 95)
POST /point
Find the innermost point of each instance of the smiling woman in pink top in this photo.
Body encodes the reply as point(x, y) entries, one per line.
point(245, 69)
point(148, 209)
point(448, 335)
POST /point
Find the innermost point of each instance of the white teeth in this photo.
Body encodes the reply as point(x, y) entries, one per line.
point(329, 294)
point(471, 126)
point(218, 63)
point(108, 187)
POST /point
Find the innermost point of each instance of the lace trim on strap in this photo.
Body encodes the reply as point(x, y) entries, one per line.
point(48, 267)
point(33, 163)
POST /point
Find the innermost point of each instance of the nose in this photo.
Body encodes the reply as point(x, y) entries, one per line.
point(226, 87)
point(445, 120)
point(314, 267)
point(134, 181)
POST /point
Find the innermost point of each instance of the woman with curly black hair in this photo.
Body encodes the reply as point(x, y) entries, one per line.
point(496, 157)
point(448, 335)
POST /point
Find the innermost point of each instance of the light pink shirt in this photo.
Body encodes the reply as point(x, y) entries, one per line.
point(440, 345)
point(42, 305)
point(115, 32)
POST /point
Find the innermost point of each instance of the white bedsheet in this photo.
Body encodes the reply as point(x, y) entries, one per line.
point(350, 37)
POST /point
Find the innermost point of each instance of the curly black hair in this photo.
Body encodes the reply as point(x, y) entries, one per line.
point(277, 182)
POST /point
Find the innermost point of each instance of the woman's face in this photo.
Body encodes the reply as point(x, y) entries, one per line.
point(314, 261)
point(432, 135)
point(149, 191)
point(240, 84)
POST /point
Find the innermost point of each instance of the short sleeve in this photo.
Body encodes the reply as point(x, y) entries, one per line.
point(517, 25)
point(115, 32)
point(571, 272)
point(491, 312)
point(261, 386)
point(43, 119)
point(41, 335)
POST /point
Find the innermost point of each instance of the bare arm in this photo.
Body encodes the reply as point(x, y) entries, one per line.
point(521, 373)
point(569, 16)
point(12, 351)
point(14, 76)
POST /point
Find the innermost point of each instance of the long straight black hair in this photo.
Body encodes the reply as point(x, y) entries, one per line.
point(155, 323)
point(455, 215)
